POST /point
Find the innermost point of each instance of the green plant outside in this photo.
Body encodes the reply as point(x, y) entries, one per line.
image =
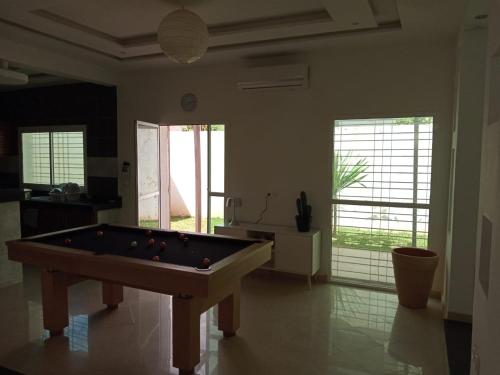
point(347, 173)
point(184, 223)
point(375, 240)
point(148, 223)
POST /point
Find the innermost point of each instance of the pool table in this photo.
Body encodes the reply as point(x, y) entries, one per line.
point(198, 270)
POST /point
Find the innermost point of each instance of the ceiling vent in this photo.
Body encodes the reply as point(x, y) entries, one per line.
point(10, 77)
point(274, 77)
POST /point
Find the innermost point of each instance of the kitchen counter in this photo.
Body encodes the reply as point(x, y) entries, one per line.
point(40, 214)
point(11, 195)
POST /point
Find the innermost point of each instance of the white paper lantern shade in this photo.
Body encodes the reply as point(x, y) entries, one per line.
point(183, 36)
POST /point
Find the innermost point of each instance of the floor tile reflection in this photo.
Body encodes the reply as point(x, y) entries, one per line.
point(285, 329)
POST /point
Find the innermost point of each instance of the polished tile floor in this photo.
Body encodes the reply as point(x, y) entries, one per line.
point(285, 329)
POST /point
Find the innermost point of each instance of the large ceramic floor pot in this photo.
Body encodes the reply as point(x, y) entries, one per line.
point(414, 273)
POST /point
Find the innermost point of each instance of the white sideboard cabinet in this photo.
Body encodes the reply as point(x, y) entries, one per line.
point(293, 251)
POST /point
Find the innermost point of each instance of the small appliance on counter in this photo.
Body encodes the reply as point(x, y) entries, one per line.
point(27, 193)
point(68, 192)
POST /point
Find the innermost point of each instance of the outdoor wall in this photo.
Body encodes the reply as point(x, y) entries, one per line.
point(281, 141)
point(465, 174)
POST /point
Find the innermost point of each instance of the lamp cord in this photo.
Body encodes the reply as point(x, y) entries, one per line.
point(261, 216)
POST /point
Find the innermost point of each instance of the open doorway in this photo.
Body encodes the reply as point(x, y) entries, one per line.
point(180, 176)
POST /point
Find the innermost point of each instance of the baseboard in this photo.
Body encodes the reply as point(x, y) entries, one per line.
point(459, 317)
point(435, 294)
point(321, 278)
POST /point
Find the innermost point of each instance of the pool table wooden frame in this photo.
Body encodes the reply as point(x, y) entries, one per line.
point(193, 291)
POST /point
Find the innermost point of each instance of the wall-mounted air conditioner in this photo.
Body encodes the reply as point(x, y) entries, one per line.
point(274, 77)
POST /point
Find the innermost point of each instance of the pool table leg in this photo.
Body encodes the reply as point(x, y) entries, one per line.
point(186, 312)
point(229, 313)
point(54, 301)
point(112, 294)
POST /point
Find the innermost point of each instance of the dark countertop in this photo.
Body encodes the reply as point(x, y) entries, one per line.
point(96, 206)
point(11, 195)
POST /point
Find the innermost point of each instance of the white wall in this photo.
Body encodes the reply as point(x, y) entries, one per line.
point(281, 141)
point(464, 200)
point(486, 323)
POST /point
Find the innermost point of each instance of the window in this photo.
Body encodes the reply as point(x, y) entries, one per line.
point(381, 193)
point(53, 156)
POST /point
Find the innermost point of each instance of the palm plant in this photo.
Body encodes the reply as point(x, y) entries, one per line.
point(346, 173)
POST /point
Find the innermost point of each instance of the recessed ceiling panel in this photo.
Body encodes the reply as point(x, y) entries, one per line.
point(128, 18)
point(126, 29)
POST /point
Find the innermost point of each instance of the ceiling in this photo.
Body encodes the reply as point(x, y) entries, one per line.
point(125, 30)
point(35, 79)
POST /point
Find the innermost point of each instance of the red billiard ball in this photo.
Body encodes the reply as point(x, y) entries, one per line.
point(156, 258)
point(163, 245)
point(100, 233)
point(206, 262)
point(148, 232)
point(151, 242)
point(67, 241)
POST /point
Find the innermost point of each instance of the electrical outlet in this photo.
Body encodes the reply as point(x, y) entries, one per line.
point(476, 360)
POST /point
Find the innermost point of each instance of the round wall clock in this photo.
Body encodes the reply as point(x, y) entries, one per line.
point(188, 102)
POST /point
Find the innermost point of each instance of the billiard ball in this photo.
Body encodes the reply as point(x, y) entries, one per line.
point(156, 258)
point(133, 244)
point(67, 241)
point(181, 236)
point(100, 233)
point(206, 262)
point(148, 232)
point(163, 245)
point(151, 242)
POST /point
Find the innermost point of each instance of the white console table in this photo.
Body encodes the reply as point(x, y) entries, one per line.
point(293, 252)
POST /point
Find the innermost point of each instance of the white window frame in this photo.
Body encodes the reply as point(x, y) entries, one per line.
point(414, 205)
point(51, 129)
point(211, 193)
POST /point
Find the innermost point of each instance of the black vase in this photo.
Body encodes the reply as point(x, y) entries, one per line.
point(303, 223)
